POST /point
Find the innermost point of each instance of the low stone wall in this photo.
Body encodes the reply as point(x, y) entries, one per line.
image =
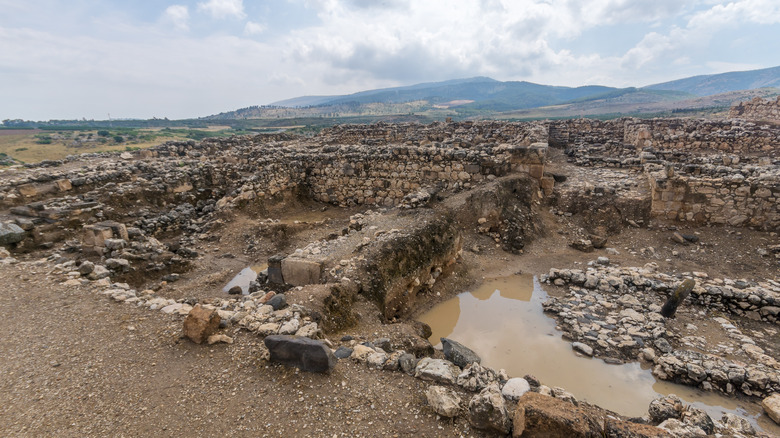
point(695, 136)
point(352, 175)
point(458, 134)
point(718, 198)
point(757, 109)
point(691, 136)
point(753, 300)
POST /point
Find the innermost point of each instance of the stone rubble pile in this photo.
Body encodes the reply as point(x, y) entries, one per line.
point(615, 311)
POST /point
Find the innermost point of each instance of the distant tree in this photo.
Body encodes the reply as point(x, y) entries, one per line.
point(119, 138)
point(103, 133)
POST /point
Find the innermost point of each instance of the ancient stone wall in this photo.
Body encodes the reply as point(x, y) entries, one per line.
point(696, 136)
point(458, 134)
point(757, 109)
point(690, 136)
point(731, 198)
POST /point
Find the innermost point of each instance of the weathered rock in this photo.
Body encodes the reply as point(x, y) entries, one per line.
point(582, 245)
point(86, 267)
point(697, 418)
point(407, 362)
point(735, 423)
point(539, 415)
point(437, 370)
point(582, 348)
point(306, 354)
point(278, 302)
point(213, 339)
point(99, 272)
point(624, 429)
point(514, 388)
point(664, 407)
point(361, 352)
point(680, 429)
point(11, 233)
point(771, 406)
point(475, 377)
point(342, 352)
point(201, 323)
point(290, 327)
point(487, 411)
point(443, 401)
point(377, 359)
point(458, 353)
point(118, 264)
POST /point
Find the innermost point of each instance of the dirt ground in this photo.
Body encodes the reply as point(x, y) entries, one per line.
point(78, 364)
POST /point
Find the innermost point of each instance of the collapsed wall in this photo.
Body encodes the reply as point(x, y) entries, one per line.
point(757, 109)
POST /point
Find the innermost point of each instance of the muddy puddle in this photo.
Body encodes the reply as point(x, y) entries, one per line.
point(244, 277)
point(503, 322)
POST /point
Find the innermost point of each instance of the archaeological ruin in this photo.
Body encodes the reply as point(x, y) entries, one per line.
point(359, 229)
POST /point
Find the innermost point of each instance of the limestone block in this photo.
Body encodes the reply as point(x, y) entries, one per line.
point(300, 272)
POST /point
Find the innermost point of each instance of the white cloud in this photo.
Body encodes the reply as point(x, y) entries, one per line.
point(253, 28)
point(223, 8)
point(178, 15)
point(65, 61)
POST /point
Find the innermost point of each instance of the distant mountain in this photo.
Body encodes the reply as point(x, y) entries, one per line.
point(485, 97)
point(708, 85)
point(489, 92)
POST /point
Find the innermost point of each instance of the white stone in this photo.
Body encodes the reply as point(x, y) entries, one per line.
point(438, 370)
point(515, 388)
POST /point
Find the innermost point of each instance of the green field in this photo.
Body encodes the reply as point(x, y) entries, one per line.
point(34, 145)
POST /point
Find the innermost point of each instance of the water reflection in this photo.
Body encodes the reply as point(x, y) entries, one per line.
point(509, 330)
point(243, 278)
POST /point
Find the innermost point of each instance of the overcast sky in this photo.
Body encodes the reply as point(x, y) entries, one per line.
point(178, 59)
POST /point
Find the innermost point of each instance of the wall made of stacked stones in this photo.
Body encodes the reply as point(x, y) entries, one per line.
point(457, 134)
point(732, 199)
point(698, 136)
point(757, 109)
point(383, 175)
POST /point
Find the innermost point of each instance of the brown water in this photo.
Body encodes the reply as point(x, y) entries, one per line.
point(503, 322)
point(244, 277)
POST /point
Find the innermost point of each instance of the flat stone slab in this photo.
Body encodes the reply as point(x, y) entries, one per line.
point(303, 353)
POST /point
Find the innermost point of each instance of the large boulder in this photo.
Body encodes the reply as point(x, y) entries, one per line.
point(458, 353)
point(771, 406)
point(539, 415)
point(443, 401)
point(10, 233)
point(306, 354)
point(201, 323)
point(487, 411)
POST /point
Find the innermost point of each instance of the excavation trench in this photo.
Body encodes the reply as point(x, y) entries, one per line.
point(502, 320)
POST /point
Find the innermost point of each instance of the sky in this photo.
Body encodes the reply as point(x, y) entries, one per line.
point(180, 59)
